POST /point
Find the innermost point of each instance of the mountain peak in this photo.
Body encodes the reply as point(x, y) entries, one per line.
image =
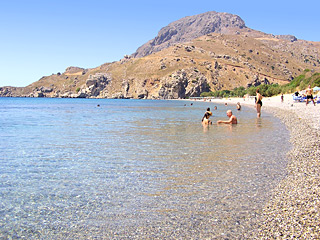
point(189, 28)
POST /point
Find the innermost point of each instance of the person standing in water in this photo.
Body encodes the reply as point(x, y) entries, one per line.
point(258, 102)
point(238, 106)
point(205, 120)
point(232, 118)
point(209, 112)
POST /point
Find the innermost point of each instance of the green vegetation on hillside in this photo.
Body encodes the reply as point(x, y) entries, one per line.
point(299, 83)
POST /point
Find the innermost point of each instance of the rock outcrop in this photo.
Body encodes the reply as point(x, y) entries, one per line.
point(182, 84)
point(94, 86)
point(73, 70)
point(189, 28)
point(8, 91)
point(290, 38)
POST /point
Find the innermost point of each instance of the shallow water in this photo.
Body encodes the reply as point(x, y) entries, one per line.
point(133, 169)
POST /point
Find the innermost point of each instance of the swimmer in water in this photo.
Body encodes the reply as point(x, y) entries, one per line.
point(232, 118)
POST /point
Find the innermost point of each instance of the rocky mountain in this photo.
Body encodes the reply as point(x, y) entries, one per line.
point(189, 28)
point(220, 53)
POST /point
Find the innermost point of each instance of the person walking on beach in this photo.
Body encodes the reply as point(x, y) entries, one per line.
point(232, 118)
point(282, 97)
point(309, 92)
point(258, 99)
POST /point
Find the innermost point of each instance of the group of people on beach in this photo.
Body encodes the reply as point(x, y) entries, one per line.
point(307, 95)
point(258, 105)
point(232, 118)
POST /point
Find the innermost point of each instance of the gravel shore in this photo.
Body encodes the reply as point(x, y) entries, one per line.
point(293, 212)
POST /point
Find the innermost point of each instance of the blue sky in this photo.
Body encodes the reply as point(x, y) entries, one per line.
point(39, 38)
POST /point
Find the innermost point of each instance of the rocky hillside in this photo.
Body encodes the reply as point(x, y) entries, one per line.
point(236, 56)
point(189, 28)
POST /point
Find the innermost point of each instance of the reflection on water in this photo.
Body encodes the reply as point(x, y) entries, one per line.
point(259, 122)
point(132, 168)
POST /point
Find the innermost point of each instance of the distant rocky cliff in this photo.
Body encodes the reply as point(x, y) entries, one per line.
point(189, 28)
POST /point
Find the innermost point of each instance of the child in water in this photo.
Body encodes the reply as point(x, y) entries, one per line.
point(205, 120)
point(208, 111)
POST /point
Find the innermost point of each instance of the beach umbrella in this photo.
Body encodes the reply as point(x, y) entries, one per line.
point(316, 89)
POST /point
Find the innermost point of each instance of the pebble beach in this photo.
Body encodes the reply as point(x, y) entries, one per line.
point(293, 212)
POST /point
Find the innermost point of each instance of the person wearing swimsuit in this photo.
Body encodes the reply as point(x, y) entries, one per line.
point(258, 102)
point(238, 106)
point(205, 120)
point(209, 112)
point(309, 92)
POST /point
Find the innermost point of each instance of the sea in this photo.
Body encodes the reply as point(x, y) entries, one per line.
point(134, 169)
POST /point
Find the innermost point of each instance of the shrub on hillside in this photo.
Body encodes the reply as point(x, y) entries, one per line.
point(298, 83)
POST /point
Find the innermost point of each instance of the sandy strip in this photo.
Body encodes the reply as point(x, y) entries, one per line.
point(294, 209)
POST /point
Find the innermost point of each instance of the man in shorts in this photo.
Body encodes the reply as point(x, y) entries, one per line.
point(309, 92)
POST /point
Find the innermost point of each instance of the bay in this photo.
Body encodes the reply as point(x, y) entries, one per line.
point(133, 169)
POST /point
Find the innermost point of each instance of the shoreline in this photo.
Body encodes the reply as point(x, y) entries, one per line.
point(293, 211)
point(310, 113)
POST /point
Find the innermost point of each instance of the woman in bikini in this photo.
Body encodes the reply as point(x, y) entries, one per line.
point(258, 102)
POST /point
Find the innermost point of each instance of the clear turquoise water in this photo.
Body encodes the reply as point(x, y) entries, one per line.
point(132, 168)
